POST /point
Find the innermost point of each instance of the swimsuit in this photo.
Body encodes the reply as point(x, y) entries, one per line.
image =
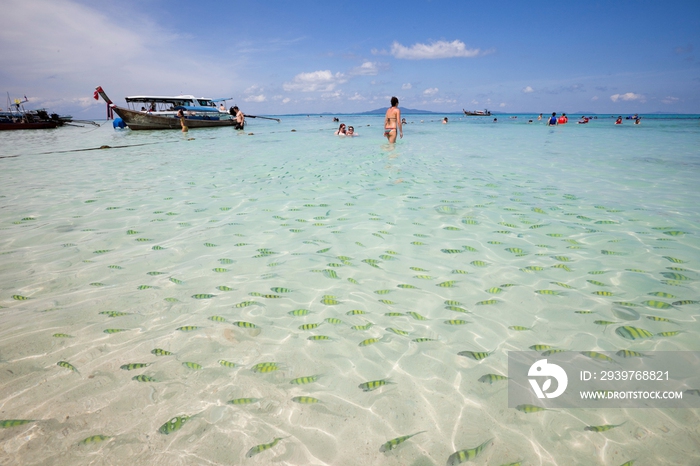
point(388, 130)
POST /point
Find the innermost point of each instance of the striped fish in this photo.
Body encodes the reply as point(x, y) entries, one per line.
point(633, 333)
point(5, 423)
point(243, 401)
point(305, 400)
point(529, 409)
point(265, 367)
point(66, 365)
point(319, 338)
point(491, 378)
point(135, 365)
point(475, 355)
point(243, 324)
point(173, 424)
point(373, 385)
point(598, 356)
point(262, 447)
point(304, 380)
point(602, 428)
point(393, 443)
point(553, 351)
point(369, 341)
point(631, 354)
point(467, 455)
point(94, 439)
point(143, 378)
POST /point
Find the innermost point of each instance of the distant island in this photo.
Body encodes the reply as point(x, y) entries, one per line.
point(381, 111)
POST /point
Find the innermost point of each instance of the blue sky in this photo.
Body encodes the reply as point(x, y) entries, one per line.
point(280, 57)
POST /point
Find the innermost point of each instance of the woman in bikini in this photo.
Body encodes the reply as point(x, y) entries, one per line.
point(392, 120)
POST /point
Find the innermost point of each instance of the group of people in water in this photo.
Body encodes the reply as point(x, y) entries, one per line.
point(344, 130)
point(393, 123)
point(235, 112)
point(563, 119)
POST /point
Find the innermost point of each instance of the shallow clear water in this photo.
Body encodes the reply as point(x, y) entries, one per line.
point(450, 213)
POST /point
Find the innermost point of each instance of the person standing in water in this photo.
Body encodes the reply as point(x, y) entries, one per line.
point(392, 121)
point(181, 116)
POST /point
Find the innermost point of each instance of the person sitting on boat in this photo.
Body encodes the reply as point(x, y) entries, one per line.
point(143, 109)
point(341, 130)
point(240, 118)
point(222, 108)
point(153, 107)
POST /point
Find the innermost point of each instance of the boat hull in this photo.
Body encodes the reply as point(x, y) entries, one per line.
point(146, 121)
point(25, 126)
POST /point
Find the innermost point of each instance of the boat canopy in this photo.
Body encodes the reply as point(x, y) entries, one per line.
point(187, 100)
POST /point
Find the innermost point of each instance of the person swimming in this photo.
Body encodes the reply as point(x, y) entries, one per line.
point(392, 120)
point(341, 130)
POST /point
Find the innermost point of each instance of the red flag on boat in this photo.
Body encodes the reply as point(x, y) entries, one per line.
point(96, 95)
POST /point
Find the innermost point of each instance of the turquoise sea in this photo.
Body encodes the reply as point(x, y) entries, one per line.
point(281, 268)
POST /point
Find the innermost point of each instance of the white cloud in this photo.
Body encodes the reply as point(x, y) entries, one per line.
point(356, 97)
point(75, 46)
point(595, 97)
point(332, 95)
point(368, 68)
point(406, 86)
point(502, 104)
point(286, 100)
point(322, 81)
point(430, 91)
point(444, 101)
point(439, 49)
point(528, 90)
point(670, 100)
point(255, 98)
point(253, 89)
point(628, 96)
